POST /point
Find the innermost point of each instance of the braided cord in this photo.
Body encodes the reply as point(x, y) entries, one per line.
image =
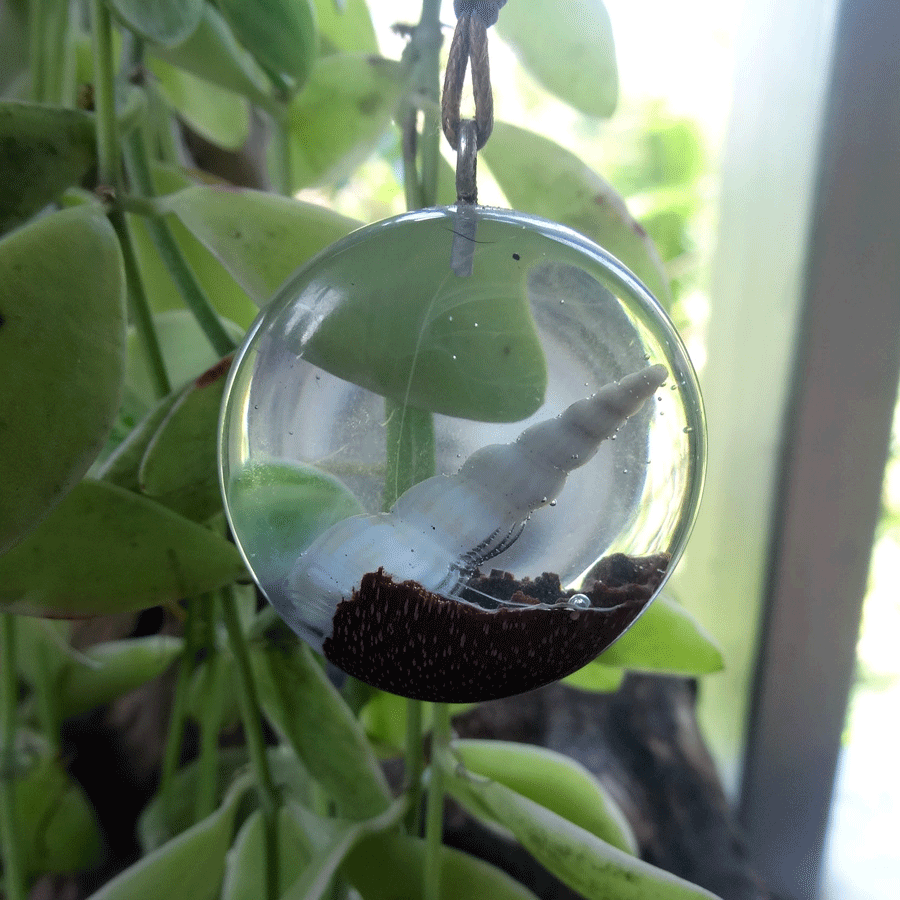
point(470, 45)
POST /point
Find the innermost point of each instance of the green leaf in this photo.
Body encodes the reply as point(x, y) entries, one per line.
point(213, 54)
point(260, 238)
point(42, 649)
point(245, 867)
point(340, 837)
point(410, 455)
point(543, 178)
point(554, 781)
point(666, 638)
point(166, 22)
point(228, 297)
point(185, 349)
point(110, 670)
point(215, 113)
point(348, 29)
point(384, 719)
point(62, 337)
point(43, 151)
point(190, 866)
point(105, 550)
point(213, 684)
point(281, 35)
point(160, 822)
point(338, 120)
point(55, 821)
point(280, 508)
point(122, 465)
point(408, 328)
point(180, 468)
point(294, 692)
point(588, 865)
point(596, 679)
point(390, 867)
point(567, 45)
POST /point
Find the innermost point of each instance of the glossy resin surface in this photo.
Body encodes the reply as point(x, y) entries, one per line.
point(461, 451)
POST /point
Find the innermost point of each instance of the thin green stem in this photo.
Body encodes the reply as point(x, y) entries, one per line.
point(109, 170)
point(109, 163)
point(45, 691)
point(139, 305)
point(434, 815)
point(429, 37)
point(283, 170)
point(138, 162)
point(408, 116)
point(178, 715)
point(56, 50)
point(14, 880)
point(149, 208)
point(411, 187)
point(211, 716)
point(162, 127)
point(37, 63)
point(410, 437)
point(248, 699)
point(415, 766)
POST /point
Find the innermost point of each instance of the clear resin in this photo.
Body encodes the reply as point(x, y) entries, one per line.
point(461, 451)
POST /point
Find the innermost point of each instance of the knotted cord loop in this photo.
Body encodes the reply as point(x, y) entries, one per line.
point(470, 43)
point(486, 10)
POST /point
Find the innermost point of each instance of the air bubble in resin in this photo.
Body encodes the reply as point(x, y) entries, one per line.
point(419, 479)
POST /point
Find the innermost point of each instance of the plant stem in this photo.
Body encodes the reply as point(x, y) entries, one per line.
point(178, 715)
point(138, 162)
point(410, 437)
point(13, 872)
point(109, 173)
point(211, 717)
point(409, 141)
point(434, 818)
point(429, 37)
point(57, 51)
point(248, 699)
point(415, 766)
point(36, 57)
point(139, 305)
point(283, 173)
point(109, 163)
point(45, 689)
point(409, 433)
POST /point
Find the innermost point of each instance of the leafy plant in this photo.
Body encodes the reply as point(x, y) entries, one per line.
point(126, 280)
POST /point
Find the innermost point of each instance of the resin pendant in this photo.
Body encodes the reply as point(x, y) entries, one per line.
point(461, 451)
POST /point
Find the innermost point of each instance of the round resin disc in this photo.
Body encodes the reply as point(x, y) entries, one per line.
point(461, 451)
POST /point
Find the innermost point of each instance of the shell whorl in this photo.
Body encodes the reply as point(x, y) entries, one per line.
point(441, 529)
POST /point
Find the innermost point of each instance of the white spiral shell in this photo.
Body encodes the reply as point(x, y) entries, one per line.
point(441, 529)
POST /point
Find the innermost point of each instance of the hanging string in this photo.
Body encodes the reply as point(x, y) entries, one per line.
point(470, 45)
